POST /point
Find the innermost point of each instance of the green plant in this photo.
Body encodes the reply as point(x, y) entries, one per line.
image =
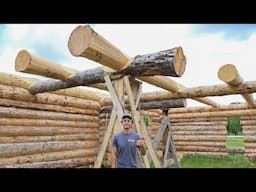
point(146, 120)
point(234, 127)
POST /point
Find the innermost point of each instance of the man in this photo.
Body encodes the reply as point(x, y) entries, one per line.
point(124, 146)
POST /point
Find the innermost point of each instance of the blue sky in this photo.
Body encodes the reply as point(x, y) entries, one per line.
point(206, 46)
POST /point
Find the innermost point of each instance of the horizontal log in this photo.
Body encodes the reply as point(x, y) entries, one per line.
point(249, 138)
point(15, 93)
point(250, 122)
point(202, 91)
point(199, 138)
point(67, 163)
point(197, 143)
point(51, 156)
point(40, 106)
point(250, 145)
point(26, 83)
point(198, 128)
point(200, 148)
point(95, 47)
point(250, 150)
point(205, 119)
point(18, 149)
point(199, 123)
point(205, 153)
point(47, 123)
point(248, 112)
point(249, 127)
point(244, 118)
point(8, 112)
point(209, 109)
point(30, 63)
point(45, 131)
point(212, 133)
point(160, 63)
point(32, 139)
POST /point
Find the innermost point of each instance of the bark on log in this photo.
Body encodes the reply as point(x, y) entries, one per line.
point(160, 63)
point(46, 123)
point(251, 122)
point(36, 139)
point(39, 106)
point(46, 131)
point(67, 163)
point(10, 92)
point(11, 150)
point(244, 118)
point(219, 154)
point(197, 128)
point(248, 112)
point(51, 156)
point(29, 63)
point(8, 112)
point(229, 74)
point(95, 47)
point(249, 127)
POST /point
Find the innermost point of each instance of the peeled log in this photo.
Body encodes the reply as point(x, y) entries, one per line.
point(36, 139)
point(251, 122)
point(199, 123)
point(85, 42)
point(51, 156)
point(46, 131)
point(229, 74)
point(203, 132)
point(208, 109)
point(26, 83)
point(11, 150)
point(200, 148)
point(30, 63)
point(202, 91)
point(16, 93)
point(39, 106)
point(198, 143)
point(199, 138)
point(197, 128)
point(248, 112)
point(46, 123)
point(67, 163)
point(205, 119)
point(8, 112)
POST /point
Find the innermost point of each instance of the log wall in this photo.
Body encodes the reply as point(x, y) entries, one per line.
point(47, 130)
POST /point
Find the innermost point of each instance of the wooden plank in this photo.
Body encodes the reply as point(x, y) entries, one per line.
point(106, 138)
point(160, 132)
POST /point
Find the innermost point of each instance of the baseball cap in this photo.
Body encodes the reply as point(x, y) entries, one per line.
point(127, 115)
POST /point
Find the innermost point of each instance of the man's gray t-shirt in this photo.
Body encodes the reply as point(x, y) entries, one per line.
point(126, 149)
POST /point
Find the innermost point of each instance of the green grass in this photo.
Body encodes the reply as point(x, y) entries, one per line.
point(208, 161)
point(235, 142)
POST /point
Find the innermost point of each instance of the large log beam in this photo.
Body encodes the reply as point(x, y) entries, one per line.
point(229, 74)
point(160, 63)
point(96, 48)
point(30, 63)
point(26, 83)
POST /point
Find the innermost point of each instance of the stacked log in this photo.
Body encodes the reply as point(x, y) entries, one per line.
point(200, 135)
point(249, 132)
point(47, 130)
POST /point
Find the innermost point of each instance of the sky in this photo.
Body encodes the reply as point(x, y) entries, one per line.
point(206, 46)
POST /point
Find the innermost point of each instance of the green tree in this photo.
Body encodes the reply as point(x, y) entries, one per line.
point(234, 127)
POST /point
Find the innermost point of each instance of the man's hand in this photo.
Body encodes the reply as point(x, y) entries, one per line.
point(140, 142)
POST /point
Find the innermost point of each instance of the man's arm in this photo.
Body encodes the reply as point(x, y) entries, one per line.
point(142, 147)
point(113, 157)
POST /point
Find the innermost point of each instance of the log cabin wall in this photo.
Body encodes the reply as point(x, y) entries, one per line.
point(47, 130)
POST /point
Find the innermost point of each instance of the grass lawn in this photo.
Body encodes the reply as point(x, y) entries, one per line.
point(235, 141)
point(208, 161)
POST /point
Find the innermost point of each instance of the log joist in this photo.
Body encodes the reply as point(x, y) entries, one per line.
point(229, 74)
